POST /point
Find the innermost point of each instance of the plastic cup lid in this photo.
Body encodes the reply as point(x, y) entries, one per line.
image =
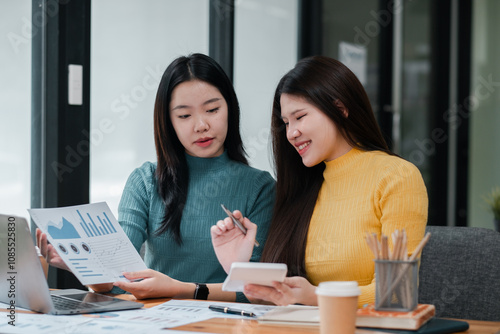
point(338, 289)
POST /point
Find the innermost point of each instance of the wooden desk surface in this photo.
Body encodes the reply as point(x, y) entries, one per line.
point(243, 326)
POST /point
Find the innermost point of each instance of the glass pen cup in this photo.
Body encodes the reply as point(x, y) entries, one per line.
point(396, 285)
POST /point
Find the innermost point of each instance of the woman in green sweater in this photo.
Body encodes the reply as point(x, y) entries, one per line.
point(170, 205)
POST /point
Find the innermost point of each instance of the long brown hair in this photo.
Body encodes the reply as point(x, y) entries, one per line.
point(321, 81)
point(172, 171)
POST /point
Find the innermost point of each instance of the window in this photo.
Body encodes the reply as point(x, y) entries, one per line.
point(265, 48)
point(15, 110)
point(131, 46)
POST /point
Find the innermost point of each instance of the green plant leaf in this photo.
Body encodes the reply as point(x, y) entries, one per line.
point(493, 200)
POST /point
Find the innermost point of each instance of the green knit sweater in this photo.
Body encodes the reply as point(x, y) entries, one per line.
point(212, 181)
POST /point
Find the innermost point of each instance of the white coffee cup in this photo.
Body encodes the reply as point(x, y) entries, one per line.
point(338, 303)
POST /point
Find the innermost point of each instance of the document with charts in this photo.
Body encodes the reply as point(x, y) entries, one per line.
point(90, 241)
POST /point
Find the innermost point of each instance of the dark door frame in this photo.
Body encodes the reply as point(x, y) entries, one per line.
point(60, 131)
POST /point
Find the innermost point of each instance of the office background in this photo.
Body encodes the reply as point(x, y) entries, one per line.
point(430, 68)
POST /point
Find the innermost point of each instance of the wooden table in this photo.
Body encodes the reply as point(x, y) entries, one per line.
point(244, 326)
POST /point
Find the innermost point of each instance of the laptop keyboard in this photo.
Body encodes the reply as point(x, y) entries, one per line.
point(62, 303)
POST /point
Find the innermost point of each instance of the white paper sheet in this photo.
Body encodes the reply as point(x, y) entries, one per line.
point(191, 309)
point(176, 313)
point(90, 241)
point(170, 314)
point(70, 324)
point(151, 317)
point(41, 324)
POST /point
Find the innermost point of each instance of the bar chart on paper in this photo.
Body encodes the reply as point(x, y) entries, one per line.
point(90, 241)
point(103, 226)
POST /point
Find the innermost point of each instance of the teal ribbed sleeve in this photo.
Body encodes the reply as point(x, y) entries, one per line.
point(212, 181)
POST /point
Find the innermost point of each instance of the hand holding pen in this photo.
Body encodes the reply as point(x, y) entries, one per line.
point(232, 244)
point(237, 223)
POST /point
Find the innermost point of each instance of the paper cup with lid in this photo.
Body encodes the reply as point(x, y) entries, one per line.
point(338, 303)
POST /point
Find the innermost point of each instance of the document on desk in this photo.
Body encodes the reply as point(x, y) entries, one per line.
point(188, 311)
point(27, 323)
point(90, 241)
point(176, 313)
point(162, 317)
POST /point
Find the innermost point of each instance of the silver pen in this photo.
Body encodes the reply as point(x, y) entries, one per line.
point(237, 223)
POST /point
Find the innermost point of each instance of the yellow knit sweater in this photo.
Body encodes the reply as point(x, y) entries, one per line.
point(362, 192)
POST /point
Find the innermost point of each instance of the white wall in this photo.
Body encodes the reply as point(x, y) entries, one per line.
point(132, 43)
point(15, 107)
point(265, 49)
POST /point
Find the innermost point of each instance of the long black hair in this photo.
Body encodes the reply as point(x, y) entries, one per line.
point(172, 172)
point(322, 81)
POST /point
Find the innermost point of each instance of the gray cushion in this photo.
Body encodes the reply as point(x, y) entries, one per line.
point(460, 273)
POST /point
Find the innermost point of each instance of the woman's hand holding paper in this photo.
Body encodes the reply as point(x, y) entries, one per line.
point(48, 251)
point(50, 254)
point(153, 284)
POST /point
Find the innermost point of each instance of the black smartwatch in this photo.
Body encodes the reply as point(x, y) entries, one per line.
point(201, 291)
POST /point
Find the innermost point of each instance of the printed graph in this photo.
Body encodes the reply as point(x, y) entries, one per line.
point(65, 231)
point(96, 227)
point(90, 241)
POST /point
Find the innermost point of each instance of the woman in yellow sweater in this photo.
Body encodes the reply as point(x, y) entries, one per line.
point(336, 181)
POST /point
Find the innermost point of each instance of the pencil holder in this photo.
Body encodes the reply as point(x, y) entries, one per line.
point(396, 285)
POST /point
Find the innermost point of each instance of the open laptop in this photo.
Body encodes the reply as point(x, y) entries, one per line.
point(22, 280)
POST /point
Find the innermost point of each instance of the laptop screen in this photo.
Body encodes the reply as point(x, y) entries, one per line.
point(21, 272)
